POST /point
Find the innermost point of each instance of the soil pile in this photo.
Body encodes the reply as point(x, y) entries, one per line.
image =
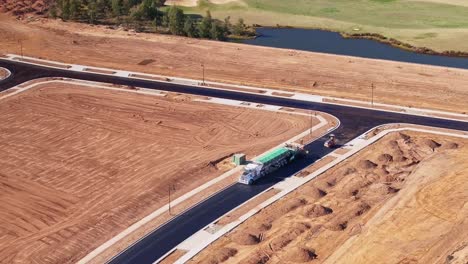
point(308, 227)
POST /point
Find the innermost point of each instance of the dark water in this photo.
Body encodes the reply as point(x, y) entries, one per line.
point(330, 42)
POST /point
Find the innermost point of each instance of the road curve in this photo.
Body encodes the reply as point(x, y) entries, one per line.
point(354, 121)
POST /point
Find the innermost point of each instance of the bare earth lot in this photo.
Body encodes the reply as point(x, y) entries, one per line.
point(79, 164)
point(339, 76)
point(401, 200)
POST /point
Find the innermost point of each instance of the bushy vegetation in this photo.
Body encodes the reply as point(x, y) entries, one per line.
point(147, 16)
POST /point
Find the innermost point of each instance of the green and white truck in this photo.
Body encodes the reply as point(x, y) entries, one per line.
point(270, 162)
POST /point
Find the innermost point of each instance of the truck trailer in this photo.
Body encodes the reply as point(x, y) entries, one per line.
point(270, 162)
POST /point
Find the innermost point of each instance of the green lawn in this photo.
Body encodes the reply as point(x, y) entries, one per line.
point(435, 25)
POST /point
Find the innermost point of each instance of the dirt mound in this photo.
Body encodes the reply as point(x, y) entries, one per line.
point(301, 254)
point(285, 238)
point(404, 136)
point(382, 189)
point(317, 210)
point(262, 227)
point(256, 258)
point(225, 253)
point(431, 143)
point(313, 191)
point(385, 158)
point(362, 208)
point(367, 165)
point(451, 145)
point(292, 204)
point(349, 171)
point(382, 171)
point(338, 225)
point(246, 238)
point(393, 144)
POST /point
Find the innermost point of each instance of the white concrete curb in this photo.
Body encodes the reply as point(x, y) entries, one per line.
point(163, 209)
point(185, 196)
point(247, 89)
point(8, 73)
point(202, 238)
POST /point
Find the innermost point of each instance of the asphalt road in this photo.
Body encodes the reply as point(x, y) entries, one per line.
point(354, 121)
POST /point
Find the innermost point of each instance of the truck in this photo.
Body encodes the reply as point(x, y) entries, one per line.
point(331, 141)
point(270, 162)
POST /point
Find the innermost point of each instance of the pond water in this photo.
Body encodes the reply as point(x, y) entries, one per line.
point(334, 43)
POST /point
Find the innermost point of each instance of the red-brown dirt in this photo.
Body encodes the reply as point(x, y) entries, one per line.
point(409, 209)
point(339, 76)
point(79, 164)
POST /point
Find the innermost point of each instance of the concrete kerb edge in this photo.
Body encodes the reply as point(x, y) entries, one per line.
point(268, 92)
point(8, 74)
point(82, 261)
point(89, 257)
point(237, 207)
point(189, 255)
point(228, 173)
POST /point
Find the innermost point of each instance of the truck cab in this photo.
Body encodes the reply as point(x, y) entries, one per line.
point(252, 172)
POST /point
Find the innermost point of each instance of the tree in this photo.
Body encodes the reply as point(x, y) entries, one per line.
point(66, 9)
point(217, 31)
point(189, 28)
point(239, 27)
point(101, 8)
point(205, 26)
point(75, 9)
point(159, 3)
point(136, 13)
point(53, 11)
point(165, 20)
point(116, 7)
point(92, 12)
point(149, 9)
point(227, 24)
point(176, 20)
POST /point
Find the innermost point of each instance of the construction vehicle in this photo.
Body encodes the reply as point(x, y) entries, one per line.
point(270, 162)
point(331, 141)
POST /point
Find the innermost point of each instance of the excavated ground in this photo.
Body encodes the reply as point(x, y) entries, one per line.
point(81, 164)
point(330, 75)
point(401, 200)
point(3, 73)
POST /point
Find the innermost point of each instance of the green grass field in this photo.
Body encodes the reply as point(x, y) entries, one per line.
point(437, 24)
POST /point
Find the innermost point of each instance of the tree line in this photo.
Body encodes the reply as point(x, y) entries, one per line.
point(148, 16)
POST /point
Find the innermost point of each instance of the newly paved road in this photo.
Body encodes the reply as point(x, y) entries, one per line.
point(354, 121)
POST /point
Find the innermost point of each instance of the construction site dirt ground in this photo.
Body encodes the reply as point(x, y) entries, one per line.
point(3, 73)
point(401, 200)
point(81, 164)
point(330, 75)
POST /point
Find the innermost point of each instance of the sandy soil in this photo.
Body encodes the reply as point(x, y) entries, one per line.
point(3, 73)
point(339, 76)
point(79, 165)
point(401, 200)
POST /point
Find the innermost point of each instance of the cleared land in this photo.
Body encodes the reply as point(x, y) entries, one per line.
point(413, 22)
point(3, 73)
point(79, 164)
point(401, 83)
point(401, 200)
